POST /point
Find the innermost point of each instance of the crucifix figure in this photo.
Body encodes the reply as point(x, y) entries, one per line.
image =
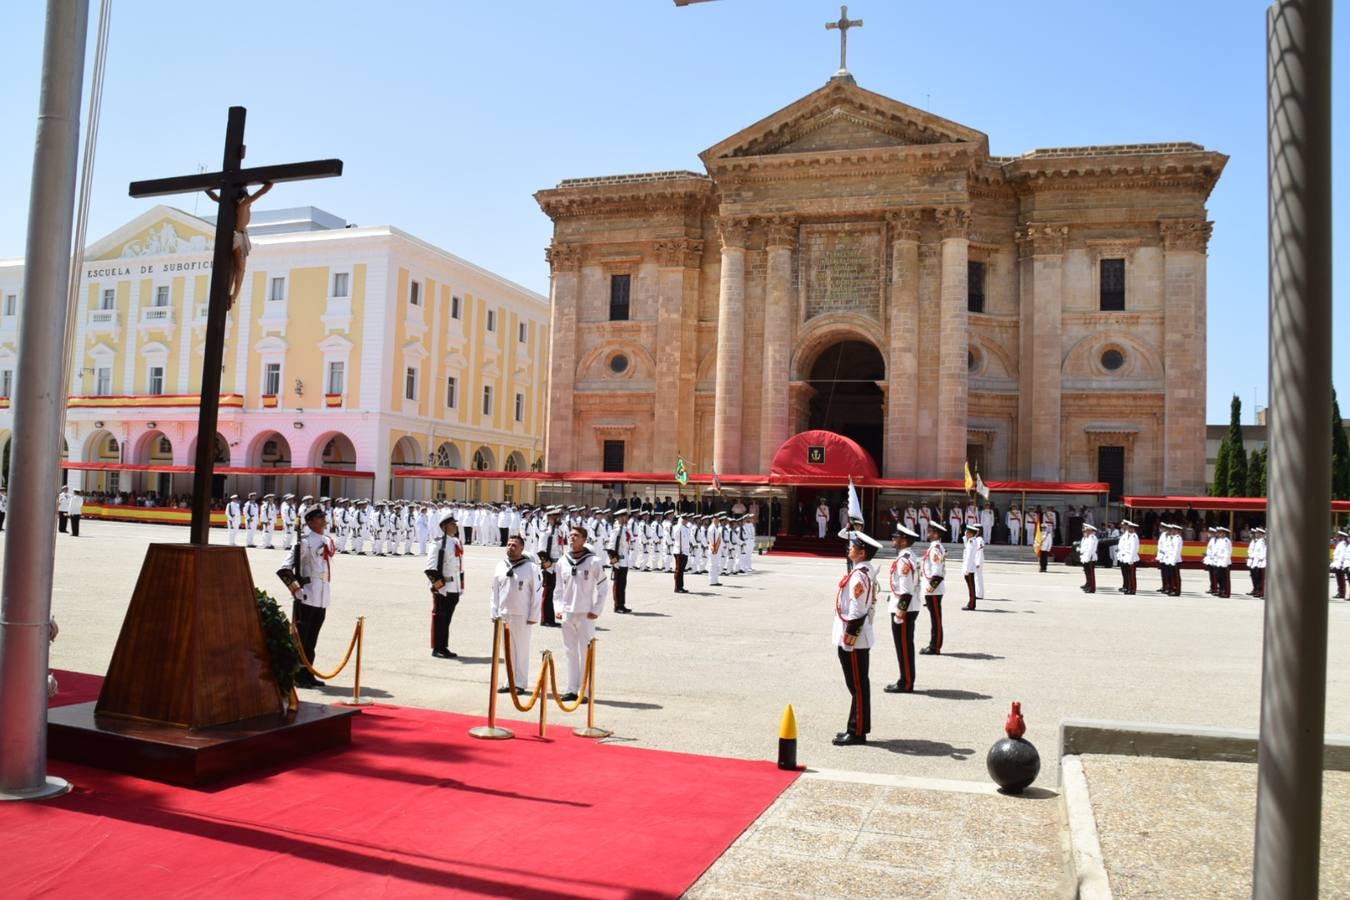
point(240, 245)
point(843, 25)
point(229, 188)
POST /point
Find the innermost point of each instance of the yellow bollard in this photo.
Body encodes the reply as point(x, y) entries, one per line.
point(787, 740)
point(590, 731)
point(357, 699)
point(491, 731)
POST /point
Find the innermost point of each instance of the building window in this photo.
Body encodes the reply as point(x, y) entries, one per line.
point(487, 400)
point(975, 287)
point(11, 304)
point(162, 295)
point(480, 462)
point(410, 383)
point(1113, 285)
point(109, 299)
point(451, 392)
point(277, 292)
point(6, 382)
point(520, 407)
point(337, 375)
point(454, 307)
point(619, 286)
point(521, 332)
point(613, 461)
point(156, 385)
point(618, 364)
point(271, 379)
point(1111, 469)
point(1112, 360)
point(165, 448)
point(340, 281)
point(491, 320)
point(415, 293)
point(103, 381)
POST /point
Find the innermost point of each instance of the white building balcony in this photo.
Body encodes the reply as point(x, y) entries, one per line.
point(104, 320)
point(157, 317)
point(337, 315)
point(273, 316)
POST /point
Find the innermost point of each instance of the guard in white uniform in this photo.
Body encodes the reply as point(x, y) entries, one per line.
point(1127, 556)
point(251, 519)
point(1223, 562)
point(904, 607)
point(445, 570)
point(1014, 521)
point(517, 594)
point(972, 565)
point(309, 578)
point(1087, 554)
point(934, 572)
point(854, 607)
point(579, 598)
point(1256, 562)
point(234, 517)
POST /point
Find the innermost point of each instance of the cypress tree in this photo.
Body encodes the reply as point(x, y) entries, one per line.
point(1340, 453)
point(1237, 453)
point(1220, 486)
point(1256, 474)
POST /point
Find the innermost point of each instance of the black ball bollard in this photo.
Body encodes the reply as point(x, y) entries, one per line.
point(1013, 762)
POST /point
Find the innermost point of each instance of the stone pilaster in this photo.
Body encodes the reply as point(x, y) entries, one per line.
point(678, 260)
point(902, 357)
point(729, 396)
point(560, 435)
point(1184, 302)
point(953, 342)
point(775, 425)
point(1042, 261)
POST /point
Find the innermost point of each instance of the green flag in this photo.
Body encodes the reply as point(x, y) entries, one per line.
point(681, 471)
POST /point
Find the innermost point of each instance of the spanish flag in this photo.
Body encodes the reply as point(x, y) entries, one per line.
point(970, 481)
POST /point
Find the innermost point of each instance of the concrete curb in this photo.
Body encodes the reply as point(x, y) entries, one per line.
point(1084, 847)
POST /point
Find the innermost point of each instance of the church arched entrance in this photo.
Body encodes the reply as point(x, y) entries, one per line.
point(847, 398)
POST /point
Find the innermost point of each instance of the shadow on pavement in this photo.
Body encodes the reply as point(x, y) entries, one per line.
point(923, 748)
point(628, 704)
point(973, 656)
point(954, 694)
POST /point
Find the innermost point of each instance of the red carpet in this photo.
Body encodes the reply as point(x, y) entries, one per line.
point(415, 807)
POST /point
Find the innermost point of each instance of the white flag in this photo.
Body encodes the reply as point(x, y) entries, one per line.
point(854, 504)
point(980, 487)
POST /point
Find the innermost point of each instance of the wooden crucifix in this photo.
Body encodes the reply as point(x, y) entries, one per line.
point(844, 24)
point(229, 188)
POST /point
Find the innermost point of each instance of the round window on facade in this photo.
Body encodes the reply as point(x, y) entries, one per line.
point(972, 360)
point(1112, 360)
point(618, 364)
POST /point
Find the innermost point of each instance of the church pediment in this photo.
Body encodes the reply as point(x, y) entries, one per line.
point(843, 117)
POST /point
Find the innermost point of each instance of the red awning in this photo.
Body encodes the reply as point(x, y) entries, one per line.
point(219, 470)
point(822, 455)
point(469, 475)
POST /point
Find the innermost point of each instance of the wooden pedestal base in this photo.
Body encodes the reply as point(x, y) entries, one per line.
point(193, 757)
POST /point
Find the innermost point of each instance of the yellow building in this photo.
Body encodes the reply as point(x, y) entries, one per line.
point(354, 348)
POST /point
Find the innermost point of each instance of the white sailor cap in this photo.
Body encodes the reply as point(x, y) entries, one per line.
point(1087, 526)
point(1258, 531)
point(234, 496)
point(1128, 523)
point(934, 523)
point(863, 538)
point(444, 517)
point(902, 530)
point(973, 527)
point(1342, 534)
point(1222, 528)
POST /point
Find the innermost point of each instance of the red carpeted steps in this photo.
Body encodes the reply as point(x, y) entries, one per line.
point(808, 546)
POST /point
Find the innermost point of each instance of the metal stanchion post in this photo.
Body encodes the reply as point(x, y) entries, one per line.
point(590, 731)
point(543, 693)
point(357, 699)
point(491, 731)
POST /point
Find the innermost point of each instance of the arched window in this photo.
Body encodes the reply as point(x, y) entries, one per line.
point(480, 462)
point(511, 464)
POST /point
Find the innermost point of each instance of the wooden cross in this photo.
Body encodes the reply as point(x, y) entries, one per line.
point(844, 24)
point(231, 183)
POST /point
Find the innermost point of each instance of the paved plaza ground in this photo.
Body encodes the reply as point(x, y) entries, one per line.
point(710, 672)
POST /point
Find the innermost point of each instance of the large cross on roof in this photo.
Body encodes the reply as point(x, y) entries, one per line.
point(843, 25)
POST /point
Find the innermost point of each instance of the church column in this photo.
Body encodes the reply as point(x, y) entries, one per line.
point(1042, 251)
point(902, 358)
point(775, 427)
point(559, 431)
point(679, 261)
point(727, 400)
point(953, 342)
point(1184, 243)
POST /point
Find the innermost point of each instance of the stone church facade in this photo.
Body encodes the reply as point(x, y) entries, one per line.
point(857, 264)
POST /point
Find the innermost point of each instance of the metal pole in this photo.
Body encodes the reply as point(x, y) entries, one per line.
point(1293, 682)
point(35, 457)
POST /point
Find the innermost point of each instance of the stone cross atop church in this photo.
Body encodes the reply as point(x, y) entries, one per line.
point(843, 25)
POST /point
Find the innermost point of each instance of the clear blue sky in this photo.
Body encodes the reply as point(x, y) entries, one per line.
point(449, 115)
